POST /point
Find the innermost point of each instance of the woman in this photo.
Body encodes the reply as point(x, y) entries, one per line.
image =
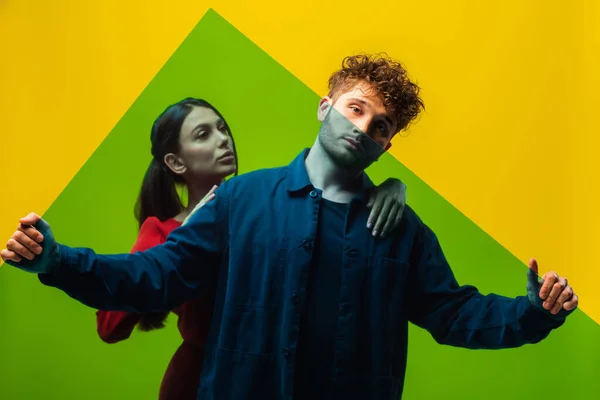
point(192, 146)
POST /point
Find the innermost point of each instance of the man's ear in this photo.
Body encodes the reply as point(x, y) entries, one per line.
point(324, 106)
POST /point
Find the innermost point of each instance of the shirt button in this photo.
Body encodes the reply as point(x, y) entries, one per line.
point(286, 353)
point(314, 194)
point(295, 298)
point(306, 244)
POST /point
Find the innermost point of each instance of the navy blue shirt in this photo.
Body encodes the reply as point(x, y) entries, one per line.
point(254, 243)
point(316, 345)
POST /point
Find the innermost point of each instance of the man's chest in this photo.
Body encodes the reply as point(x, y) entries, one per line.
point(270, 258)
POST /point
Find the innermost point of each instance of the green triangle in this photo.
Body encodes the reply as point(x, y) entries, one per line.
point(50, 349)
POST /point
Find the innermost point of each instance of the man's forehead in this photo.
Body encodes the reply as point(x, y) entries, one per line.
point(363, 92)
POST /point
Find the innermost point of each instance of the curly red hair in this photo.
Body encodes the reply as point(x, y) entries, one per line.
point(387, 78)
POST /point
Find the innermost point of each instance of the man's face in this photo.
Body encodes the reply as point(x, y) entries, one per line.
point(357, 129)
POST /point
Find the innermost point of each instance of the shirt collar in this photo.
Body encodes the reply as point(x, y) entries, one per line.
point(297, 181)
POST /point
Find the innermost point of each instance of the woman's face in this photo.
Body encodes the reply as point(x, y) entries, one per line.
point(205, 147)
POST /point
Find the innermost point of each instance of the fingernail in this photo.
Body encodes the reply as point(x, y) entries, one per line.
point(374, 233)
point(369, 225)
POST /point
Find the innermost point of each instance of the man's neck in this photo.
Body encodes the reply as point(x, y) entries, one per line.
point(337, 183)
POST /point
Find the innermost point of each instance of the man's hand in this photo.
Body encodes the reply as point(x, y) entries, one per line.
point(209, 196)
point(552, 293)
point(24, 251)
point(387, 203)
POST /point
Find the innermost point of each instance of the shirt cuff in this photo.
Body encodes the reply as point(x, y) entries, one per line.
point(543, 317)
point(63, 265)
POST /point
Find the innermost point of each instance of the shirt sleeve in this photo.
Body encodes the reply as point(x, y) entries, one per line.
point(158, 279)
point(116, 326)
point(461, 316)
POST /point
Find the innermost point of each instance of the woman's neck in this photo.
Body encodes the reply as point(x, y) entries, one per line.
point(195, 194)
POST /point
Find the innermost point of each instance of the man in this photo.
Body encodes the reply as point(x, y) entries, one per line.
point(309, 305)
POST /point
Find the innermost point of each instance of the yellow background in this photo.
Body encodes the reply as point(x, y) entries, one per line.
point(509, 137)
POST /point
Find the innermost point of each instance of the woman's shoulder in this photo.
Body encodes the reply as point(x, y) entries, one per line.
point(154, 224)
point(154, 232)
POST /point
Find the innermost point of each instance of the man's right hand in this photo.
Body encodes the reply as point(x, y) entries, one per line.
point(24, 249)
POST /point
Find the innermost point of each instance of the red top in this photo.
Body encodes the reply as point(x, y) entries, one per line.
point(183, 374)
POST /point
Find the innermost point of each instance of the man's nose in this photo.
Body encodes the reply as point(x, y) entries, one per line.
point(361, 126)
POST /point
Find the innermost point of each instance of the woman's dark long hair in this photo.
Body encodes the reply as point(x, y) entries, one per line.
point(158, 195)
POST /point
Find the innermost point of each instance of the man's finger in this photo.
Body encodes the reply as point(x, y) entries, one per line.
point(383, 216)
point(549, 280)
point(533, 283)
point(18, 248)
point(390, 220)
point(372, 197)
point(572, 303)
point(27, 242)
point(31, 232)
point(370, 202)
point(555, 292)
point(533, 265)
point(556, 308)
point(375, 212)
point(30, 219)
point(565, 296)
point(8, 255)
point(399, 214)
